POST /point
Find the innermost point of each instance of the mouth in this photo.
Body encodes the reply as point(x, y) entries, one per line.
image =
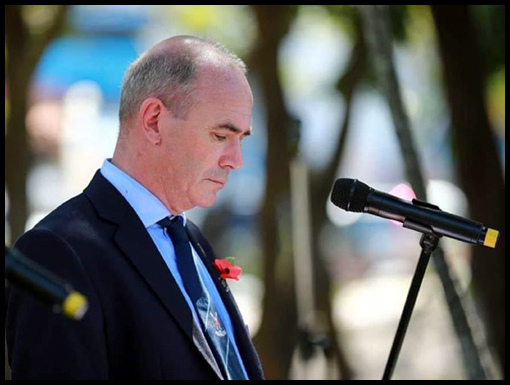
point(218, 182)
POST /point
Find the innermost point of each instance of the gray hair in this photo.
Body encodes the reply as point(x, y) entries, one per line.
point(169, 75)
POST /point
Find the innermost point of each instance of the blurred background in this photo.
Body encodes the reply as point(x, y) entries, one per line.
point(407, 98)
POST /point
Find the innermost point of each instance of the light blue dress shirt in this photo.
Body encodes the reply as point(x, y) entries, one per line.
point(151, 210)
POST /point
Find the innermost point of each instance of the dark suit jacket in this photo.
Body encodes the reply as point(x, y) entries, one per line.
point(138, 326)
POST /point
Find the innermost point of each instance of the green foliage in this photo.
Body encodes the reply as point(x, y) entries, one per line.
point(490, 30)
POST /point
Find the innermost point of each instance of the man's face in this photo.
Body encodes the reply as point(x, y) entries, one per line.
point(200, 151)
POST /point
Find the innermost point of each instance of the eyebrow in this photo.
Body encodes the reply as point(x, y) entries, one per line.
point(233, 128)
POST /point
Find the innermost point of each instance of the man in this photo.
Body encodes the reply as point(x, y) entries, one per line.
point(158, 309)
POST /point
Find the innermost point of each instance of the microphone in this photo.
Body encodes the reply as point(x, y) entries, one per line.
point(44, 285)
point(353, 195)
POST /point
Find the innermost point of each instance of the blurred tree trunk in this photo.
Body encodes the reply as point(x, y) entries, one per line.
point(18, 73)
point(477, 160)
point(376, 23)
point(276, 338)
point(320, 191)
point(23, 51)
point(24, 47)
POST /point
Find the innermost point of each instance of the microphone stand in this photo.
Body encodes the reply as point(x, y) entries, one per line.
point(428, 242)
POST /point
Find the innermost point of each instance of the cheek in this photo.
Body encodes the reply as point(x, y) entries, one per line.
point(195, 159)
point(205, 163)
point(193, 170)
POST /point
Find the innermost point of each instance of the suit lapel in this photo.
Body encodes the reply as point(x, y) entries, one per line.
point(135, 242)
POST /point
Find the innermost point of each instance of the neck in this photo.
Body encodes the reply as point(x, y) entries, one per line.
point(148, 175)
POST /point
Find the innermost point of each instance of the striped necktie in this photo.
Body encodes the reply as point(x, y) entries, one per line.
point(215, 332)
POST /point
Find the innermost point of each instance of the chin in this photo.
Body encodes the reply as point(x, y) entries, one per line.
point(206, 201)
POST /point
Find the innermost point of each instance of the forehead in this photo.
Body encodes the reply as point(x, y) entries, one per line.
point(223, 82)
point(223, 96)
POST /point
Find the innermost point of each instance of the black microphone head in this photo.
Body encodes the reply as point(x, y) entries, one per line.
point(350, 194)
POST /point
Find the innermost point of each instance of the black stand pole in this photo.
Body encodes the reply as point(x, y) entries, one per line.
point(428, 244)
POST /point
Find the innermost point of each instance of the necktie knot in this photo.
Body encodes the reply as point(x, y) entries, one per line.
point(175, 229)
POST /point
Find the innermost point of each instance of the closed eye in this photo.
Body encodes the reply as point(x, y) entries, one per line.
point(220, 138)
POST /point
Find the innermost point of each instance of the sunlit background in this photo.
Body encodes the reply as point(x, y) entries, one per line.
point(72, 125)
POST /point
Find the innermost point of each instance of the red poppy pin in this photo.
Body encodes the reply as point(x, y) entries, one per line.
point(227, 268)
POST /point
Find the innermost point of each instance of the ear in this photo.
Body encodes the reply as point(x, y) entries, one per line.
point(152, 112)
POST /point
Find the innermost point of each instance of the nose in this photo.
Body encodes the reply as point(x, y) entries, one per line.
point(233, 157)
